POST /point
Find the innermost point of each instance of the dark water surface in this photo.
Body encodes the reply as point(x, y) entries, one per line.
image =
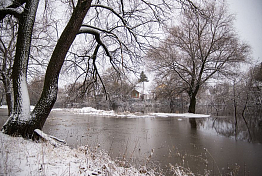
point(171, 141)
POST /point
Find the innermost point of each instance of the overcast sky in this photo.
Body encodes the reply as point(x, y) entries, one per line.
point(249, 23)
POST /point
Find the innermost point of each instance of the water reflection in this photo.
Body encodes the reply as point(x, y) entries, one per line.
point(226, 126)
point(193, 123)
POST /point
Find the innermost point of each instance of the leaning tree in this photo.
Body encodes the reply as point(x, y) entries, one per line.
point(112, 31)
point(202, 46)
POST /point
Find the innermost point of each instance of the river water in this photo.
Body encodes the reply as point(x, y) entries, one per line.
point(159, 142)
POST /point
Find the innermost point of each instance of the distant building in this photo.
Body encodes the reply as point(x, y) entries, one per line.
point(135, 94)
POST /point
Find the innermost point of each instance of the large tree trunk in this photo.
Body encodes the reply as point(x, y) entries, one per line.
point(49, 93)
point(21, 122)
point(21, 107)
point(192, 105)
point(192, 108)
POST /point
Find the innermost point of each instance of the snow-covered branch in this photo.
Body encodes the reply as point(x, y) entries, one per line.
point(53, 140)
point(97, 37)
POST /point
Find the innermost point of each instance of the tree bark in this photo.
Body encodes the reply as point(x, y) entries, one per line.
point(192, 108)
point(21, 105)
point(48, 97)
point(192, 104)
point(49, 93)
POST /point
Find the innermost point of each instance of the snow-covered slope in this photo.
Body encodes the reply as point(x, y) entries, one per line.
point(25, 157)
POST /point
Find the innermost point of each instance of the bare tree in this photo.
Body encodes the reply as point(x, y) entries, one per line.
point(118, 85)
point(40, 46)
point(202, 46)
point(219, 99)
point(7, 51)
point(21, 120)
point(120, 31)
point(253, 91)
point(108, 37)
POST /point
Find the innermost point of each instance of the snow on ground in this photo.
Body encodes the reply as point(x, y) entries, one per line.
point(93, 111)
point(3, 106)
point(25, 157)
point(183, 115)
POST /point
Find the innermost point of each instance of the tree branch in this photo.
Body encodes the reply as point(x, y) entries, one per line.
point(119, 16)
point(98, 39)
point(9, 11)
point(112, 10)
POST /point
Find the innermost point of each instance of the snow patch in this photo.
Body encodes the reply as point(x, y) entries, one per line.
point(25, 157)
point(25, 100)
point(182, 115)
point(3, 107)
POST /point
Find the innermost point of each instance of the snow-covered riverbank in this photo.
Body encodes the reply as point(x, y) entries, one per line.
point(25, 157)
point(93, 111)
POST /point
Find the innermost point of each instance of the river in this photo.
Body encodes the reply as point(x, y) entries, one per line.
point(159, 143)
